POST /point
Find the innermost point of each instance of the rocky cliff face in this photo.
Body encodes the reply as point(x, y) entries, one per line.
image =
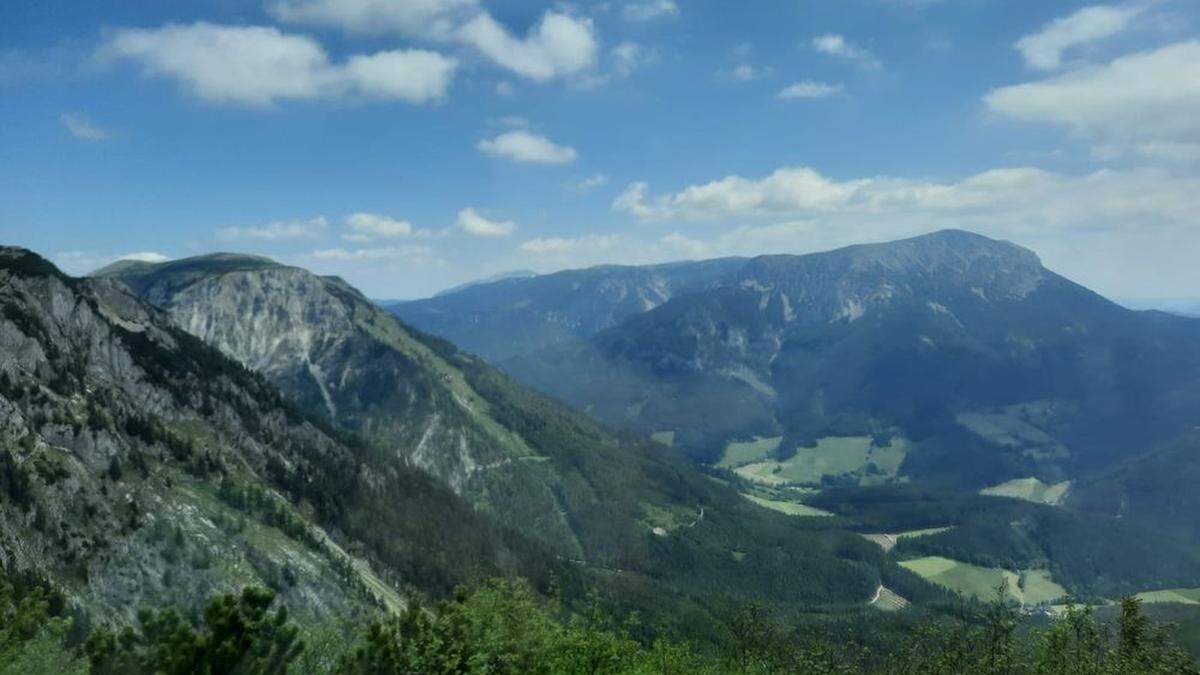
point(333, 351)
point(136, 464)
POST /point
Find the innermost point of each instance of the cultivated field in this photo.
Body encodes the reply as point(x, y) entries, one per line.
point(852, 456)
point(788, 507)
point(1017, 426)
point(888, 541)
point(887, 600)
point(1029, 587)
point(1183, 596)
point(745, 452)
point(1031, 490)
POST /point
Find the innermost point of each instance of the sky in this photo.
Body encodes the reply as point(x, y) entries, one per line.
point(410, 145)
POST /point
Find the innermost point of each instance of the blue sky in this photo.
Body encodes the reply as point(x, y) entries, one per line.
point(409, 145)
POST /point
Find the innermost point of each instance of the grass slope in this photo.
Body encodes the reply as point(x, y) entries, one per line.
point(1029, 587)
point(1030, 490)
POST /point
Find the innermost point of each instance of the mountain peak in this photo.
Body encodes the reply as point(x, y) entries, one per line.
point(935, 249)
point(208, 263)
point(945, 257)
point(23, 262)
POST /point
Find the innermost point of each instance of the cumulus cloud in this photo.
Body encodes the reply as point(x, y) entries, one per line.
point(1044, 50)
point(559, 45)
point(648, 10)
point(836, 45)
point(1025, 198)
point(259, 65)
point(413, 75)
point(1143, 103)
point(525, 146)
point(420, 18)
point(371, 226)
point(471, 222)
point(809, 89)
point(1094, 227)
point(79, 126)
point(276, 231)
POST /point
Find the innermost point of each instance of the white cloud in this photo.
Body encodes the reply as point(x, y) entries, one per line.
point(622, 60)
point(1043, 50)
point(1022, 199)
point(85, 262)
point(279, 230)
point(144, 256)
point(629, 56)
point(524, 146)
point(647, 10)
point(788, 189)
point(1093, 227)
point(561, 246)
point(585, 185)
point(371, 226)
point(809, 89)
point(413, 75)
point(633, 201)
point(559, 45)
point(505, 89)
point(420, 18)
point(471, 222)
point(837, 45)
point(1144, 103)
point(83, 128)
point(385, 255)
point(259, 66)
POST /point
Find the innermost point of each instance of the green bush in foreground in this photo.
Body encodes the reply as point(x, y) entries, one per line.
point(238, 635)
point(503, 628)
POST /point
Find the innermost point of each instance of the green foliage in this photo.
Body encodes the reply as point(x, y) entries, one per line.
point(506, 628)
point(239, 635)
point(33, 629)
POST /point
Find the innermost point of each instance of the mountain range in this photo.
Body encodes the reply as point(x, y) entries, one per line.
point(175, 429)
point(573, 491)
point(987, 364)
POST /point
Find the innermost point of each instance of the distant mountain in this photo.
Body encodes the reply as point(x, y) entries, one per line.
point(592, 498)
point(508, 318)
point(989, 364)
point(501, 276)
point(1182, 306)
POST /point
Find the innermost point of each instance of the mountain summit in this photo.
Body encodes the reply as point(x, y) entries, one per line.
point(939, 339)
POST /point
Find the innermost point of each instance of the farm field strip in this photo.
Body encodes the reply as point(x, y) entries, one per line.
point(1028, 587)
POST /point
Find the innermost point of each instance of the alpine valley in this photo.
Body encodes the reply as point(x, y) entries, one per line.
point(861, 441)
